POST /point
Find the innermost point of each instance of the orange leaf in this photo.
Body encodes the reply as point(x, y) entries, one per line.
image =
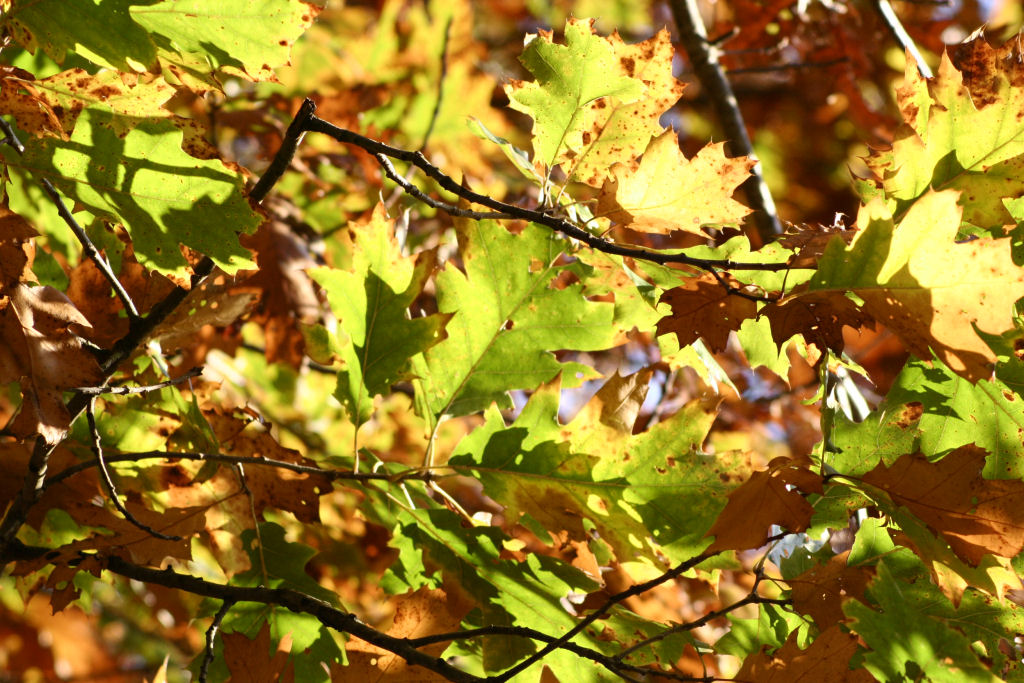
point(764, 500)
point(249, 660)
point(38, 347)
point(827, 659)
point(665, 191)
point(704, 308)
point(975, 515)
point(422, 613)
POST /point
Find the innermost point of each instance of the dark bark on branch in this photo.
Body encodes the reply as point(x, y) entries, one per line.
point(704, 58)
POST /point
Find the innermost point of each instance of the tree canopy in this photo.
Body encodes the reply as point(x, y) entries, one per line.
point(511, 341)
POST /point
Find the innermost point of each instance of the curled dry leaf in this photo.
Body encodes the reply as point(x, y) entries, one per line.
point(41, 350)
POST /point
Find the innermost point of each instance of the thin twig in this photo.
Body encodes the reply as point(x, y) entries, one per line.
point(704, 59)
point(556, 223)
point(295, 601)
point(417, 193)
point(334, 475)
point(899, 33)
point(88, 248)
point(211, 637)
point(285, 153)
point(600, 612)
point(120, 390)
point(108, 482)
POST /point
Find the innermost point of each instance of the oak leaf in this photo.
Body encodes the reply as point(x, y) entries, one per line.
point(616, 130)
point(17, 251)
point(818, 316)
point(424, 612)
point(976, 516)
point(249, 659)
point(703, 308)
point(770, 497)
point(41, 350)
point(821, 590)
point(665, 191)
point(923, 285)
point(826, 659)
point(571, 78)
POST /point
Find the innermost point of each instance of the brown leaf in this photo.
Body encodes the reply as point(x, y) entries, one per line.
point(287, 294)
point(269, 486)
point(704, 308)
point(249, 660)
point(421, 613)
point(826, 659)
point(821, 591)
point(38, 348)
point(818, 316)
point(764, 500)
point(975, 515)
point(809, 241)
point(17, 251)
point(216, 303)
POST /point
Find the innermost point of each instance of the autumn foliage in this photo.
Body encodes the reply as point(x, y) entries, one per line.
point(376, 342)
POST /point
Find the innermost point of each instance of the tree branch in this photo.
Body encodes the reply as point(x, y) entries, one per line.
point(295, 601)
point(88, 248)
point(108, 482)
point(704, 58)
point(600, 612)
point(334, 475)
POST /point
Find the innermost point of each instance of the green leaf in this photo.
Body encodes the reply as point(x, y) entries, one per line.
point(532, 593)
point(278, 563)
point(102, 31)
point(964, 132)
point(933, 410)
point(163, 196)
point(507, 319)
point(569, 77)
point(929, 642)
point(253, 36)
point(871, 543)
point(651, 497)
point(371, 301)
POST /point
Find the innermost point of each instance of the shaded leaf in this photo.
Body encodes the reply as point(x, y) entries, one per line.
point(703, 308)
point(910, 278)
point(41, 351)
point(826, 659)
point(163, 196)
point(818, 316)
point(103, 33)
point(976, 516)
point(250, 659)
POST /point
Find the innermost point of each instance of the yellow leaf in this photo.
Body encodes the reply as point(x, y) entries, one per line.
point(665, 192)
